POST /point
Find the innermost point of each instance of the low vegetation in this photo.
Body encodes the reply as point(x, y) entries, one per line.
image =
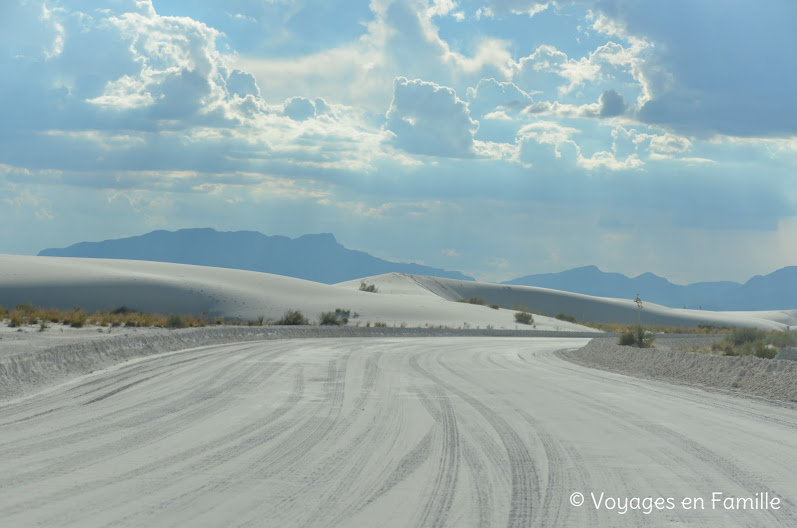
point(524, 318)
point(474, 300)
point(753, 342)
point(370, 288)
point(292, 318)
point(27, 314)
point(637, 336)
point(566, 317)
point(495, 306)
point(330, 319)
point(620, 328)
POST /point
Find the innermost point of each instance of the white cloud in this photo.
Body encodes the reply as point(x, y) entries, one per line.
point(430, 119)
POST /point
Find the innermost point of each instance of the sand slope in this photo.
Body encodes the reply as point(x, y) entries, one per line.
point(103, 284)
point(416, 301)
point(583, 307)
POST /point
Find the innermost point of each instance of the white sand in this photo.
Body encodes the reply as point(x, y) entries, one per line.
point(445, 432)
point(583, 307)
point(104, 284)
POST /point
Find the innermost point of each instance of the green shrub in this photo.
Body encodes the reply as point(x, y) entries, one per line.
point(474, 300)
point(643, 338)
point(627, 338)
point(494, 306)
point(740, 336)
point(330, 319)
point(345, 314)
point(175, 321)
point(380, 325)
point(524, 318)
point(637, 336)
point(370, 288)
point(566, 317)
point(292, 318)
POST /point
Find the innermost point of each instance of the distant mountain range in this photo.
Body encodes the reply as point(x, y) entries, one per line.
point(776, 291)
point(321, 258)
point(318, 258)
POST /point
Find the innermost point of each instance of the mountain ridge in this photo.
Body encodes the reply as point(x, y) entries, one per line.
point(317, 257)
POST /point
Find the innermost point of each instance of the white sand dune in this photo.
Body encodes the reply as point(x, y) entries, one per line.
point(416, 301)
point(583, 307)
point(104, 284)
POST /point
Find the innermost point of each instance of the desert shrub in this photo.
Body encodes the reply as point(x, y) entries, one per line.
point(344, 315)
point(642, 337)
point(638, 336)
point(783, 339)
point(524, 318)
point(740, 336)
point(627, 338)
point(42, 325)
point(380, 325)
point(175, 321)
point(330, 319)
point(3, 313)
point(494, 306)
point(292, 318)
point(474, 300)
point(566, 317)
point(370, 288)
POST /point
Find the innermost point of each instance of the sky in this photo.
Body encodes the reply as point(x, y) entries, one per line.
point(499, 138)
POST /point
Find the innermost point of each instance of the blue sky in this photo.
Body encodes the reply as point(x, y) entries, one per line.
point(495, 137)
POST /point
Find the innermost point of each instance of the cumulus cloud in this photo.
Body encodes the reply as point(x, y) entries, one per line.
point(612, 104)
point(299, 108)
point(490, 96)
point(733, 80)
point(430, 119)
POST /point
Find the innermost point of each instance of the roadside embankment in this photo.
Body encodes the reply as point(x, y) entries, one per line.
point(768, 378)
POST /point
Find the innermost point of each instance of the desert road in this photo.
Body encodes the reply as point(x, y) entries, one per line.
point(390, 433)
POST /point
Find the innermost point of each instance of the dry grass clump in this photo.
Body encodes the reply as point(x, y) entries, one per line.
point(620, 328)
point(27, 314)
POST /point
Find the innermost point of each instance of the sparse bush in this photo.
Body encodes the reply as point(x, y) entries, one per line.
point(474, 300)
point(638, 336)
point(740, 336)
point(643, 338)
point(524, 318)
point(566, 317)
point(42, 325)
point(344, 315)
point(380, 325)
point(370, 288)
point(330, 319)
point(494, 306)
point(292, 318)
point(627, 339)
point(3, 313)
point(260, 319)
point(175, 321)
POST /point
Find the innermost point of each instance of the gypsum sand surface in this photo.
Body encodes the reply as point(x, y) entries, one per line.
point(773, 379)
point(31, 361)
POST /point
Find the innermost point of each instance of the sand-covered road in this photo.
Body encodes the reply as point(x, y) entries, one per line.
point(389, 432)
